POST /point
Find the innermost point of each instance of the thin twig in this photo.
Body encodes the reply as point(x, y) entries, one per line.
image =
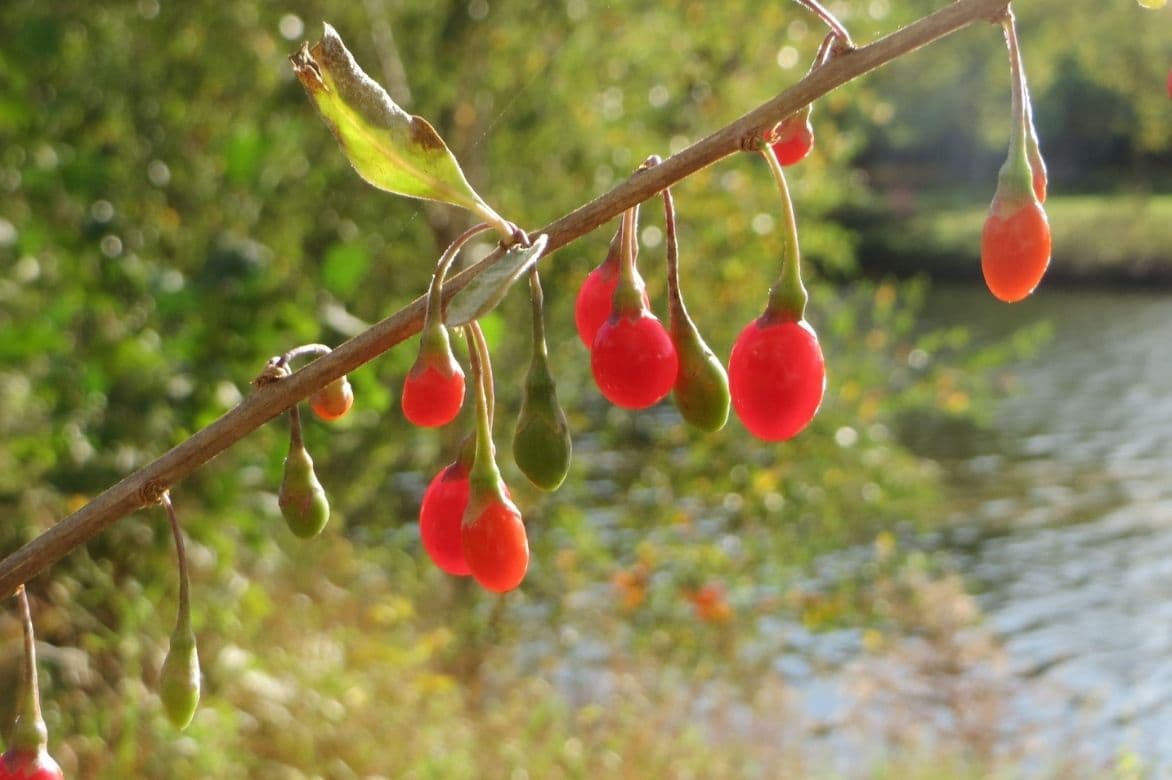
point(144, 486)
point(830, 20)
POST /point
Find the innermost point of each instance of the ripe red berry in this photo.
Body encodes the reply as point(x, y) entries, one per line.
point(595, 297)
point(29, 765)
point(777, 377)
point(495, 545)
point(333, 400)
point(794, 139)
point(440, 516)
point(1015, 249)
point(592, 306)
point(433, 394)
point(633, 359)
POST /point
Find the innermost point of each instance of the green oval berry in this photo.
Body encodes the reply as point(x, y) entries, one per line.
point(302, 498)
point(541, 443)
point(179, 678)
point(701, 390)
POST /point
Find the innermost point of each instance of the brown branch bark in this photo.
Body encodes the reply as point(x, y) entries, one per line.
point(145, 486)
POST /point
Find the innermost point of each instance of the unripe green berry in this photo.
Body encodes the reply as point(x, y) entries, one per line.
point(541, 443)
point(179, 678)
point(302, 498)
point(701, 390)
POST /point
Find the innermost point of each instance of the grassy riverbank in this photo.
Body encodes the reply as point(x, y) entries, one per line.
point(1108, 239)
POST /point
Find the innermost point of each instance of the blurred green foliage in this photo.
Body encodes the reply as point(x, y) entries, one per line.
point(173, 212)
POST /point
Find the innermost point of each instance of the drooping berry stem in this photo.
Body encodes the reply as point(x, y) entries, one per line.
point(442, 266)
point(29, 735)
point(304, 350)
point(295, 438)
point(485, 474)
point(675, 299)
point(1021, 103)
point(831, 21)
point(482, 362)
point(629, 295)
point(183, 620)
point(537, 308)
point(1016, 175)
point(788, 296)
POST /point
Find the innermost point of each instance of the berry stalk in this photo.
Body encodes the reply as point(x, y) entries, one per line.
point(179, 682)
point(30, 733)
point(629, 294)
point(485, 476)
point(788, 296)
point(1016, 175)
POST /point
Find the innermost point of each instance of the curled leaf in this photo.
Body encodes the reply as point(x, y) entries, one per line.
point(389, 148)
point(483, 293)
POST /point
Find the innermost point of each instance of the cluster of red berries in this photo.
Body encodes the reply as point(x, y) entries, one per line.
point(776, 374)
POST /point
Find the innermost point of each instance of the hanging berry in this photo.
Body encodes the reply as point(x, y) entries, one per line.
point(442, 513)
point(632, 357)
point(777, 375)
point(27, 757)
point(793, 137)
point(433, 391)
point(492, 534)
point(302, 498)
point(179, 677)
point(1015, 240)
point(701, 389)
point(333, 401)
point(541, 441)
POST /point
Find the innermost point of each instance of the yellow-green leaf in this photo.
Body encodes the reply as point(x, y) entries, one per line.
point(391, 149)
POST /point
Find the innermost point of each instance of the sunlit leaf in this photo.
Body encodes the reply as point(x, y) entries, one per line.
point(389, 148)
point(488, 289)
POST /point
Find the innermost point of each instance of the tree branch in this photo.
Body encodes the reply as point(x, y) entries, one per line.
point(145, 486)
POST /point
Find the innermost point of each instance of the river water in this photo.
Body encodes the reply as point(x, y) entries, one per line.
point(1060, 529)
point(1063, 515)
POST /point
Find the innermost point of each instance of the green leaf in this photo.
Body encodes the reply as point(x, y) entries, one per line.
point(388, 147)
point(488, 289)
point(344, 267)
